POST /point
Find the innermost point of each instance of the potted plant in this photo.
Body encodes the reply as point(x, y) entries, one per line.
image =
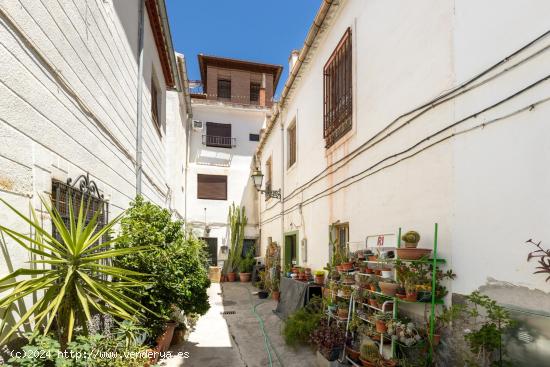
point(320, 277)
point(369, 356)
point(343, 309)
point(388, 287)
point(386, 273)
point(373, 285)
point(411, 239)
point(329, 339)
point(380, 321)
point(245, 266)
point(410, 291)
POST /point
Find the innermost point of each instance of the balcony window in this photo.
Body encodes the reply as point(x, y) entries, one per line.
point(224, 88)
point(337, 92)
point(218, 135)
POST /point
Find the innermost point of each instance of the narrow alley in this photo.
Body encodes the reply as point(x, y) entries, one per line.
point(230, 333)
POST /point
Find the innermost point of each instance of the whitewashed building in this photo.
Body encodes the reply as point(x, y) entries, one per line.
point(92, 97)
point(230, 105)
point(404, 114)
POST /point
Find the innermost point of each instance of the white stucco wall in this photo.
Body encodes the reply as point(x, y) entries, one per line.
point(484, 187)
point(48, 132)
point(233, 162)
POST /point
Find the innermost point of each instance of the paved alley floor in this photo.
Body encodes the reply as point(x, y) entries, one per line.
point(229, 335)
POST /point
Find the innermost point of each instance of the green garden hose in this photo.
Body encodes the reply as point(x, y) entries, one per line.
point(267, 340)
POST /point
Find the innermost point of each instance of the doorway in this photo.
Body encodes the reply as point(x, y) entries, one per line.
point(291, 249)
point(212, 247)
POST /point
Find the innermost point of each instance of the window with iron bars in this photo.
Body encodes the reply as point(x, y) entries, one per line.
point(224, 88)
point(337, 92)
point(63, 194)
point(254, 92)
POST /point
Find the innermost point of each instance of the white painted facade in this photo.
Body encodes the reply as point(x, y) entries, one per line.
point(235, 163)
point(68, 92)
point(486, 186)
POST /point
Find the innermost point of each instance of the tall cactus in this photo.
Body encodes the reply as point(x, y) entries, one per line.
point(237, 222)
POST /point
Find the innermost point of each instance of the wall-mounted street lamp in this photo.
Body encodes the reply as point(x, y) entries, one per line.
point(257, 178)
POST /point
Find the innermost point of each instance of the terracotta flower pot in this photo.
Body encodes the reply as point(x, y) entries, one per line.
point(164, 340)
point(276, 295)
point(400, 295)
point(411, 297)
point(412, 253)
point(342, 313)
point(179, 336)
point(245, 277)
point(388, 289)
point(373, 303)
point(372, 287)
point(366, 363)
point(347, 266)
point(381, 326)
point(377, 271)
point(352, 353)
point(339, 268)
point(320, 279)
point(369, 270)
point(373, 258)
point(231, 276)
point(436, 339)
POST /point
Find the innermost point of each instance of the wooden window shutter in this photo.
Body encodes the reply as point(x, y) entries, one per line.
point(212, 187)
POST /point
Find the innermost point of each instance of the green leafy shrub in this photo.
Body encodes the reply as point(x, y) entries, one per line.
point(177, 264)
point(237, 222)
point(247, 264)
point(300, 325)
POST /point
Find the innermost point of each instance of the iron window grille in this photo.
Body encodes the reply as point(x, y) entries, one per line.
point(337, 92)
point(254, 92)
point(81, 191)
point(224, 88)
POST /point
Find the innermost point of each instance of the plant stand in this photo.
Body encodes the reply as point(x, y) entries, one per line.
point(395, 302)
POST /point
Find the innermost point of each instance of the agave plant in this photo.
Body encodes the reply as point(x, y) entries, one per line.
point(74, 280)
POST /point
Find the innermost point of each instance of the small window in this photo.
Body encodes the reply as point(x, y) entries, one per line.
point(292, 144)
point(218, 135)
point(254, 92)
point(155, 115)
point(337, 93)
point(254, 137)
point(224, 88)
point(212, 187)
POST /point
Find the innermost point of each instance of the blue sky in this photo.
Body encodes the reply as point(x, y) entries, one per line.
point(256, 30)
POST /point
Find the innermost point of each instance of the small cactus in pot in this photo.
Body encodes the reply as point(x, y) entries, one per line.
point(411, 239)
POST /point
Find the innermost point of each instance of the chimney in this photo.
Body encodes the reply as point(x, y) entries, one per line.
point(262, 91)
point(292, 60)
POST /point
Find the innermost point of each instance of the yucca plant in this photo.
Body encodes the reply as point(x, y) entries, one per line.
point(73, 282)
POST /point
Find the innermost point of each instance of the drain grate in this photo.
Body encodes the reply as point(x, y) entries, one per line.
point(228, 313)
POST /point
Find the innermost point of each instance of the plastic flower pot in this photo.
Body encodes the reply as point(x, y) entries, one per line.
point(263, 294)
point(386, 274)
point(436, 339)
point(164, 340)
